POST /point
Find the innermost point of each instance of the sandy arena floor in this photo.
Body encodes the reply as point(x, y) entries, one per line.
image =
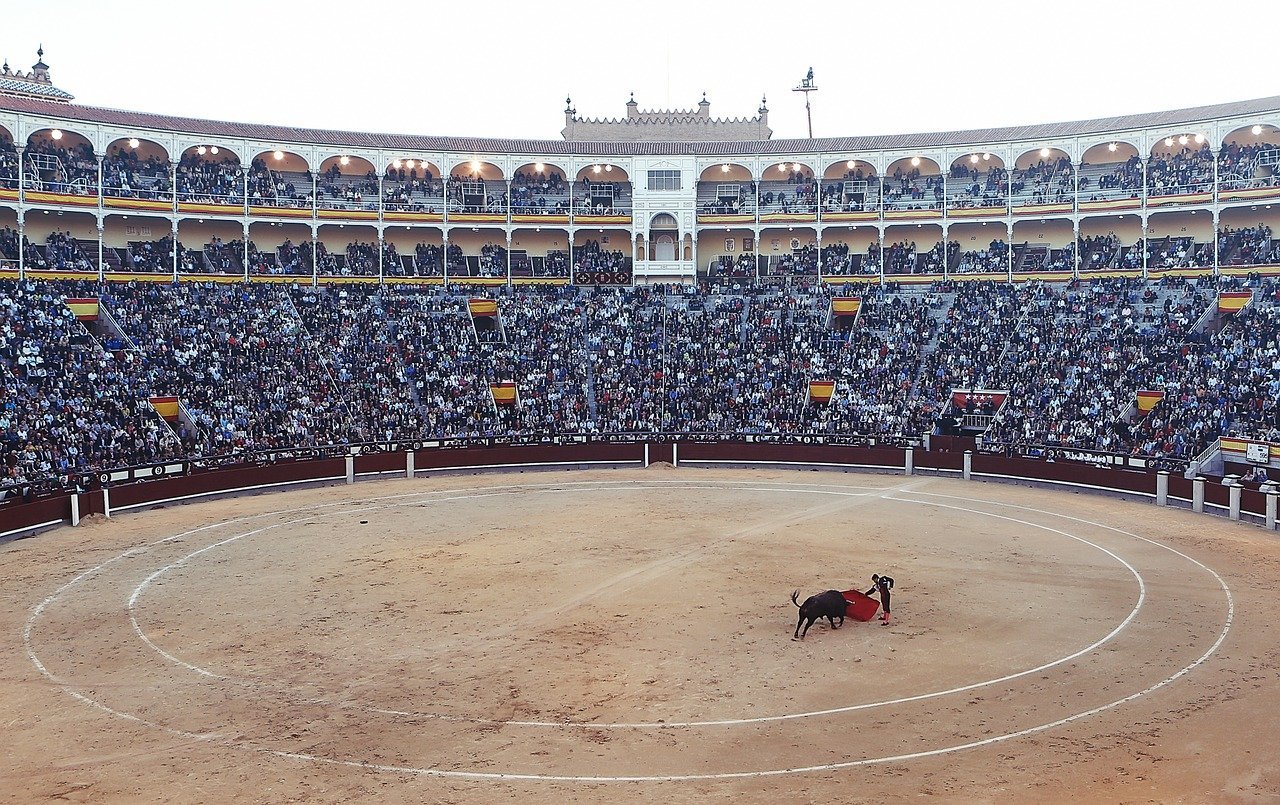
point(625, 635)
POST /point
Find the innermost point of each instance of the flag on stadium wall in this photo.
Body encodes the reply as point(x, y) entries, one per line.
point(960, 398)
point(1148, 399)
point(846, 305)
point(85, 309)
point(166, 407)
point(1248, 450)
point(820, 391)
point(503, 393)
point(483, 307)
point(1233, 301)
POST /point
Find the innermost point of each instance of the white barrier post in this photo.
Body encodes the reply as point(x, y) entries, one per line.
point(1197, 494)
point(351, 469)
point(106, 503)
point(968, 464)
point(909, 461)
point(646, 454)
point(675, 454)
point(408, 464)
point(1272, 495)
point(1162, 488)
point(75, 509)
point(1234, 492)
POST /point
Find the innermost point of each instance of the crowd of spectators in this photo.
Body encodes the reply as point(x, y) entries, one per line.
point(991, 260)
point(8, 164)
point(970, 187)
point(273, 367)
point(125, 175)
point(68, 405)
point(271, 188)
point(206, 181)
point(71, 170)
point(1110, 180)
point(1186, 171)
point(61, 252)
point(1045, 182)
point(1251, 245)
point(1239, 166)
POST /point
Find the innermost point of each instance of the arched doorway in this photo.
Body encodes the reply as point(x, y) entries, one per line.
point(663, 233)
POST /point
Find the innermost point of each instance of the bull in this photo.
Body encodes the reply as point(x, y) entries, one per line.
point(829, 605)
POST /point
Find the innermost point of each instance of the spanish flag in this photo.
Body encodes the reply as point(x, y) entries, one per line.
point(85, 309)
point(503, 393)
point(483, 307)
point(166, 407)
point(1148, 399)
point(845, 305)
point(1233, 301)
point(820, 391)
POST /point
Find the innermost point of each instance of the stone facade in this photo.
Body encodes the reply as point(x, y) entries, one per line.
point(667, 125)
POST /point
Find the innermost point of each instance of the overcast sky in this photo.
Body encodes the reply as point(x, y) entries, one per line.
point(504, 68)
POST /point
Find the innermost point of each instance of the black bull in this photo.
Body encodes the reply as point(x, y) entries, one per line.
point(829, 605)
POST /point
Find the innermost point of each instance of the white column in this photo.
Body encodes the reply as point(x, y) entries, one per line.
point(22, 234)
point(351, 469)
point(968, 465)
point(1234, 492)
point(75, 509)
point(1272, 495)
point(408, 463)
point(675, 454)
point(1162, 488)
point(174, 234)
point(106, 503)
point(1197, 494)
point(101, 228)
point(909, 461)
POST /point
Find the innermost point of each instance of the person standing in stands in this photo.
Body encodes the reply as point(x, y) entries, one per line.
point(884, 585)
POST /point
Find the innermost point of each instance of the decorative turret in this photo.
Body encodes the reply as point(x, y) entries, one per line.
point(40, 70)
point(35, 84)
point(633, 111)
point(569, 111)
point(763, 111)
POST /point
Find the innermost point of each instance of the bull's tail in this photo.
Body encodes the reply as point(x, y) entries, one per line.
point(794, 596)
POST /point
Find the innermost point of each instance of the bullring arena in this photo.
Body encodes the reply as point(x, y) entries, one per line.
point(625, 635)
point(348, 466)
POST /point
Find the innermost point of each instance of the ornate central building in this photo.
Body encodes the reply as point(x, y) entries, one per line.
point(666, 125)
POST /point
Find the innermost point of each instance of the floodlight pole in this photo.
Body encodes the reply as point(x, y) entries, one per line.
point(806, 86)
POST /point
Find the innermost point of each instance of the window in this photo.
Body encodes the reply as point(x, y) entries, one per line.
point(664, 180)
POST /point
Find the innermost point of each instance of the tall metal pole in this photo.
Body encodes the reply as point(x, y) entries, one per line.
point(806, 86)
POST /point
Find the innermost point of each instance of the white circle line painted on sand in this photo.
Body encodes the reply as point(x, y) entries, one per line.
point(667, 725)
point(38, 610)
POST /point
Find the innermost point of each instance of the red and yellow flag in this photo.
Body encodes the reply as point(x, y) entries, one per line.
point(503, 393)
point(1148, 399)
point(1233, 301)
point(166, 407)
point(483, 307)
point(85, 309)
point(820, 391)
point(845, 305)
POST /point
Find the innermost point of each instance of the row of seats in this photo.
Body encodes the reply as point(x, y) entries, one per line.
point(271, 366)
